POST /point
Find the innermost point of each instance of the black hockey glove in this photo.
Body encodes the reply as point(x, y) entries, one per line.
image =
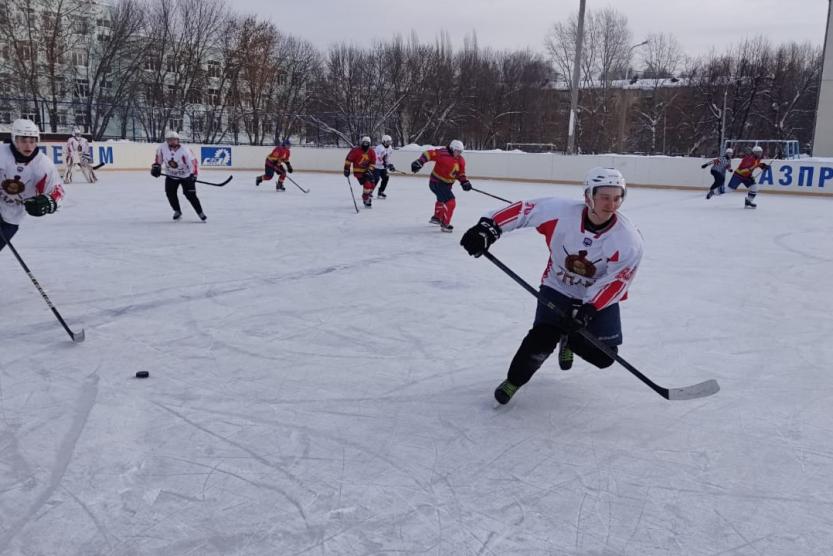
point(346, 173)
point(466, 185)
point(416, 165)
point(156, 170)
point(288, 167)
point(704, 165)
point(480, 237)
point(391, 168)
point(579, 318)
point(40, 205)
point(764, 166)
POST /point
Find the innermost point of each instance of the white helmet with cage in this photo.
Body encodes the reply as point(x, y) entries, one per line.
point(387, 140)
point(602, 177)
point(76, 131)
point(757, 149)
point(171, 134)
point(25, 128)
point(729, 152)
point(365, 141)
point(456, 146)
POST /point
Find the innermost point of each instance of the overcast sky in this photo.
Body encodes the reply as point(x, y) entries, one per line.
point(699, 25)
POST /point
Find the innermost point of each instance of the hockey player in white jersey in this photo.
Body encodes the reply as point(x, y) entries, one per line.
point(29, 182)
point(594, 255)
point(383, 165)
point(181, 168)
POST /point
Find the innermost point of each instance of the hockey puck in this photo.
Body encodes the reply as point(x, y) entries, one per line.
point(142, 374)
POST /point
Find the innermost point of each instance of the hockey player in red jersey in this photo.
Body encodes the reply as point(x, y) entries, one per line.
point(743, 175)
point(449, 165)
point(363, 160)
point(594, 255)
point(29, 182)
point(275, 163)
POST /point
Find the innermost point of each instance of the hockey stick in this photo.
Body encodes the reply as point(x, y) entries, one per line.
point(301, 188)
point(350, 185)
point(97, 166)
point(77, 337)
point(221, 184)
point(490, 195)
point(701, 390)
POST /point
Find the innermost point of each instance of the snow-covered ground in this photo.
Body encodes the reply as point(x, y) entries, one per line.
point(321, 381)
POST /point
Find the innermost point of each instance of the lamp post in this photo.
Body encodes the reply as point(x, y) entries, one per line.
point(628, 71)
point(571, 130)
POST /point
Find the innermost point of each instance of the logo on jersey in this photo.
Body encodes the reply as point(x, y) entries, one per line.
point(13, 186)
point(578, 264)
point(172, 164)
point(215, 156)
point(588, 242)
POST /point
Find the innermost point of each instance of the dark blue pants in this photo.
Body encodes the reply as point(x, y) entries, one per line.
point(719, 180)
point(9, 230)
point(737, 180)
point(546, 331)
point(441, 189)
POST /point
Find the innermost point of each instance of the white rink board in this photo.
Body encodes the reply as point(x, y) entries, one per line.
point(787, 176)
point(321, 381)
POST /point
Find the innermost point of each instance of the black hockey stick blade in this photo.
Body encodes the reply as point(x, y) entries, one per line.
point(702, 390)
point(694, 391)
point(298, 186)
point(221, 184)
point(97, 166)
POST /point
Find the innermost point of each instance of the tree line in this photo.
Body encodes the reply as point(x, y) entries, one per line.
point(134, 68)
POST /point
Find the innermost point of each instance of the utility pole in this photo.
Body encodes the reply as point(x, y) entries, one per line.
point(571, 132)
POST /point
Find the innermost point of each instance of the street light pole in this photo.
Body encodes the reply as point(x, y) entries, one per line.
point(571, 130)
point(628, 70)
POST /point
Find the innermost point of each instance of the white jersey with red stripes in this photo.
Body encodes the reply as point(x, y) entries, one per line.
point(594, 267)
point(20, 181)
point(177, 163)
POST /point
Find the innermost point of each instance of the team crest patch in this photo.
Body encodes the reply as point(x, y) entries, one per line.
point(172, 164)
point(588, 242)
point(578, 264)
point(13, 186)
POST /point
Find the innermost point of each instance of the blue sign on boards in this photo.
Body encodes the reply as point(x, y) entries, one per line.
point(215, 156)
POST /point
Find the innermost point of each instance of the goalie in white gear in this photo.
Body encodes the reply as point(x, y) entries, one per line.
point(29, 182)
point(594, 255)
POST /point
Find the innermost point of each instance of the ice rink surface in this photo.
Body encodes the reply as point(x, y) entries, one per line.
point(321, 381)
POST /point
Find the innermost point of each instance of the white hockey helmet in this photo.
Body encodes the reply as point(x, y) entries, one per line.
point(171, 134)
point(387, 140)
point(364, 141)
point(456, 146)
point(602, 177)
point(76, 131)
point(729, 152)
point(757, 149)
point(25, 128)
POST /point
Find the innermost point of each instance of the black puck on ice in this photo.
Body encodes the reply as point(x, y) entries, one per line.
point(142, 374)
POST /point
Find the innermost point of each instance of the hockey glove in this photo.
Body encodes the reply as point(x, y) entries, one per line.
point(346, 173)
point(288, 167)
point(466, 185)
point(480, 237)
point(416, 165)
point(391, 168)
point(704, 165)
point(764, 166)
point(40, 205)
point(580, 318)
point(156, 170)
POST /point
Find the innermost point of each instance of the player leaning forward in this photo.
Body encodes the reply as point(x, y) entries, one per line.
point(180, 169)
point(28, 179)
point(594, 254)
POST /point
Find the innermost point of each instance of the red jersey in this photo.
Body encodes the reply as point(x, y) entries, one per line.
point(748, 164)
point(362, 160)
point(279, 155)
point(447, 167)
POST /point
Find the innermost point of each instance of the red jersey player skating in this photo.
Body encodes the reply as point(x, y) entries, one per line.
point(449, 165)
point(363, 160)
point(275, 163)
